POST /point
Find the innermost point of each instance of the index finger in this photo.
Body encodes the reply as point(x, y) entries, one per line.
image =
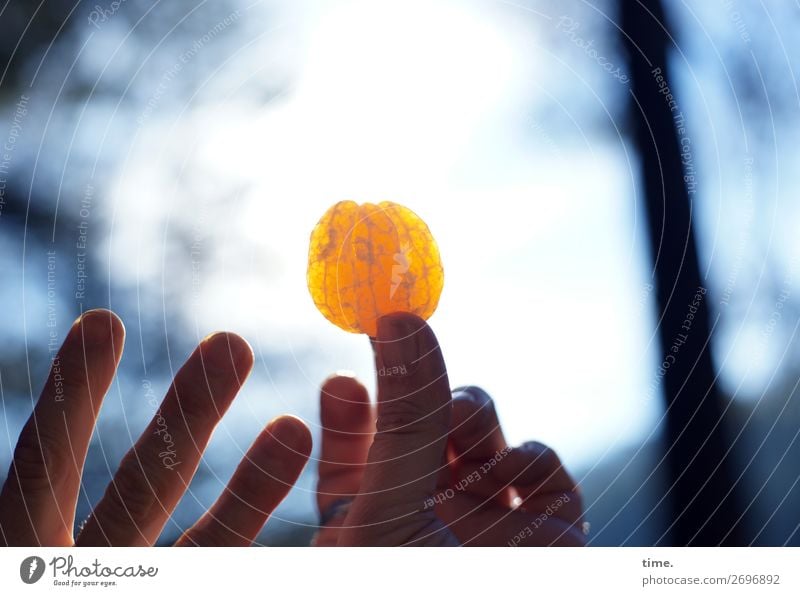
point(37, 504)
point(476, 443)
point(476, 432)
point(407, 453)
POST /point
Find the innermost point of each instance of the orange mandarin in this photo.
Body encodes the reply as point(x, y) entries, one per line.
point(365, 261)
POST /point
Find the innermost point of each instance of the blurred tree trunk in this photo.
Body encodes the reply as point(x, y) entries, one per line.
point(703, 502)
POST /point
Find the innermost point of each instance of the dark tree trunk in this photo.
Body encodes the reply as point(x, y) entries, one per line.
point(703, 501)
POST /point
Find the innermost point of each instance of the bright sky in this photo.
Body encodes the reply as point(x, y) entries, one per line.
point(545, 287)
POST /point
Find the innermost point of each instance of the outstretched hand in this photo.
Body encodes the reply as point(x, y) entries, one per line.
point(427, 468)
point(421, 468)
point(38, 500)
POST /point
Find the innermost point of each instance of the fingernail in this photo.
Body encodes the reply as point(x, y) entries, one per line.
point(223, 352)
point(397, 344)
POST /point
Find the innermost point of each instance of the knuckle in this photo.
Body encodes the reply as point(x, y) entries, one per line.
point(37, 464)
point(196, 407)
point(74, 375)
point(136, 488)
point(77, 373)
point(409, 416)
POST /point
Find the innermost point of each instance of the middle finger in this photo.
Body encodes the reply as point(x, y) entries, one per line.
point(155, 473)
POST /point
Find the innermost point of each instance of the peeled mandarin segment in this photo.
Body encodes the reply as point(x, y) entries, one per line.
point(365, 261)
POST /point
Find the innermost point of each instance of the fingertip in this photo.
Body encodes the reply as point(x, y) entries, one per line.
point(398, 326)
point(343, 386)
point(528, 460)
point(223, 349)
point(100, 326)
point(344, 402)
point(402, 340)
point(473, 409)
point(290, 432)
point(472, 393)
point(407, 353)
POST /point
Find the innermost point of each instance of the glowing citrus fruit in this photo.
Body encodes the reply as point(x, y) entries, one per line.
point(369, 260)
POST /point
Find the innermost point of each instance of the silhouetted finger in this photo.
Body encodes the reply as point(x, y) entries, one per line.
point(476, 444)
point(37, 504)
point(155, 473)
point(537, 474)
point(348, 426)
point(476, 431)
point(261, 481)
point(413, 423)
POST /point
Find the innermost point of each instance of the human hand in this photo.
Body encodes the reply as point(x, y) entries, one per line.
point(496, 495)
point(421, 476)
point(38, 499)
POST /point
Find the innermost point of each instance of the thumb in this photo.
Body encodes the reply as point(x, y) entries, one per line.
point(413, 424)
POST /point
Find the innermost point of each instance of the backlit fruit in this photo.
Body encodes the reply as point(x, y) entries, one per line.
point(365, 261)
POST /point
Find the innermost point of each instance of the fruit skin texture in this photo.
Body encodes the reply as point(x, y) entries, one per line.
point(366, 261)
